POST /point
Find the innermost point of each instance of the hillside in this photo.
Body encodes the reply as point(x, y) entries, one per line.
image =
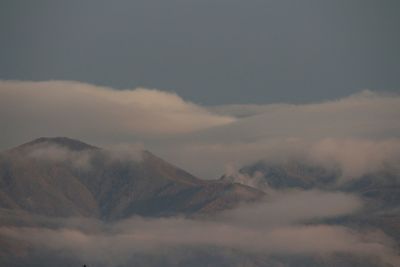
point(65, 177)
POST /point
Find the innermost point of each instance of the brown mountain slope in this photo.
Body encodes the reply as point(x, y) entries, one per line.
point(65, 177)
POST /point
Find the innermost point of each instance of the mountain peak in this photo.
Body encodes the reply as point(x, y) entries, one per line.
point(71, 144)
point(109, 187)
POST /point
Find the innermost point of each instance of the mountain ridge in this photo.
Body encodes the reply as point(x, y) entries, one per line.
point(66, 177)
point(66, 142)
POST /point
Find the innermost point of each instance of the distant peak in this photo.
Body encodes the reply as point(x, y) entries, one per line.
point(66, 142)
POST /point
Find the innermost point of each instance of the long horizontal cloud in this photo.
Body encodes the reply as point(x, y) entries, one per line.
point(152, 236)
point(82, 159)
point(353, 156)
point(358, 134)
point(273, 227)
point(293, 207)
point(31, 109)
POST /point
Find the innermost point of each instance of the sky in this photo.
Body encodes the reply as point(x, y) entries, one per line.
point(210, 52)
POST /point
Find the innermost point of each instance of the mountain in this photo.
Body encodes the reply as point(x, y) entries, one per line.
point(291, 174)
point(48, 182)
point(61, 142)
point(64, 177)
point(380, 189)
point(382, 185)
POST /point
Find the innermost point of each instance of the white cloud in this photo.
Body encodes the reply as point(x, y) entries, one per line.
point(59, 108)
point(358, 134)
point(52, 152)
point(354, 157)
point(293, 207)
point(366, 115)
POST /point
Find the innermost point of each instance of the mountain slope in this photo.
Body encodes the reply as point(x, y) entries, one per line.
point(65, 177)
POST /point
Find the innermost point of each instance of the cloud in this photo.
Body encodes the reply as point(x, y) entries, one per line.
point(52, 152)
point(352, 157)
point(60, 108)
point(365, 102)
point(293, 207)
point(272, 228)
point(151, 236)
point(356, 157)
point(363, 115)
point(357, 134)
point(55, 153)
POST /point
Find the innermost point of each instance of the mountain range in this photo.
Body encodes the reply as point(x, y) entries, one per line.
point(65, 177)
point(51, 180)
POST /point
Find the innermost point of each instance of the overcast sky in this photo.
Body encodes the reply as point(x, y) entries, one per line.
point(207, 51)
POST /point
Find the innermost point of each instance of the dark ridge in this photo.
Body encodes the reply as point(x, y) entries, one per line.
point(66, 142)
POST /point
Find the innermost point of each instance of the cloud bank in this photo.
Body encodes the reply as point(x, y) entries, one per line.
point(60, 108)
point(357, 134)
point(81, 159)
point(274, 227)
point(353, 157)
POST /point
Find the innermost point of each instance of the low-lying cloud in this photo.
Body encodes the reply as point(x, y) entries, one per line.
point(357, 134)
point(352, 157)
point(151, 236)
point(293, 207)
point(52, 152)
point(274, 227)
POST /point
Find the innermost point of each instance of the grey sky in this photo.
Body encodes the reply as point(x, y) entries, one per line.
point(208, 51)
